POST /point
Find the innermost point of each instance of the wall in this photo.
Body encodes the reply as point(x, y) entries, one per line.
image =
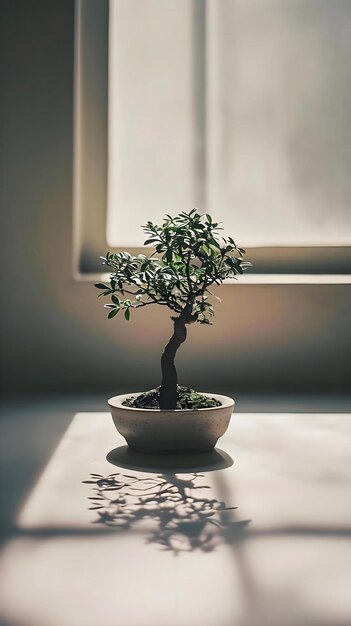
point(54, 333)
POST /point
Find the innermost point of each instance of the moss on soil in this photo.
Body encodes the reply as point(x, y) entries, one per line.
point(187, 399)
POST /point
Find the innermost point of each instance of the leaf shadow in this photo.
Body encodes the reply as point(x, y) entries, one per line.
point(179, 515)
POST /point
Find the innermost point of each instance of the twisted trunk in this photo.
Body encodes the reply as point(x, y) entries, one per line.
point(168, 392)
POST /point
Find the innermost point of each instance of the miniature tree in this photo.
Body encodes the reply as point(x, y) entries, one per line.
point(189, 257)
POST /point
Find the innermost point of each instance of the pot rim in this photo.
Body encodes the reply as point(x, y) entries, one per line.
point(116, 402)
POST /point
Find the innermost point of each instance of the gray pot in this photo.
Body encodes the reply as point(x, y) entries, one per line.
point(180, 430)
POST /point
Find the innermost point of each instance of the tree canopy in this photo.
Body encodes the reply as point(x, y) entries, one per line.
point(189, 257)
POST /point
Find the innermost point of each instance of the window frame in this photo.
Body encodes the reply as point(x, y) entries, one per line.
point(277, 264)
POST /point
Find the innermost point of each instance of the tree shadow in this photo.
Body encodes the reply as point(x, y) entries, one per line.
point(180, 519)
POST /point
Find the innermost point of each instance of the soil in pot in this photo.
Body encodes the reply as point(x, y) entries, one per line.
point(187, 398)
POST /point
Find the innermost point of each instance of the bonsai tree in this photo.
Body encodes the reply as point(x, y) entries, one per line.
point(189, 257)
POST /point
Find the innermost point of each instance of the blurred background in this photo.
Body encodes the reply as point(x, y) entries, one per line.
point(251, 123)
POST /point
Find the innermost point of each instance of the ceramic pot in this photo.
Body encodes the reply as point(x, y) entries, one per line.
point(180, 430)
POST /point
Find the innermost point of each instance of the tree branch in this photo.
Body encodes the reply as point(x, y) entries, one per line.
point(187, 270)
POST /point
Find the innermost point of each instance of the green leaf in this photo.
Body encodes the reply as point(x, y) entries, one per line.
point(115, 299)
point(127, 314)
point(112, 313)
point(205, 249)
point(152, 240)
point(214, 248)
point(101, 286)
point(104, 293)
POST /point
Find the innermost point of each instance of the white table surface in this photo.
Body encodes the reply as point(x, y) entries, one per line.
point(281, 558)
